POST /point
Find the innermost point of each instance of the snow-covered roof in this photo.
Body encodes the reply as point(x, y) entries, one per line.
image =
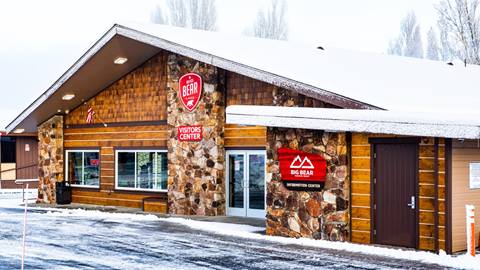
point(385, 81)
point(447, 125)
point(341, 77)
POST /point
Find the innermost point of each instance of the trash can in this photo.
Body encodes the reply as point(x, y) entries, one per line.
point(64, 193)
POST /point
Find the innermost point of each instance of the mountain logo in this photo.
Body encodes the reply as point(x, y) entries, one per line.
point(298, 163)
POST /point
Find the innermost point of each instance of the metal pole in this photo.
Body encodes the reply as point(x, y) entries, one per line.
point(24, 231)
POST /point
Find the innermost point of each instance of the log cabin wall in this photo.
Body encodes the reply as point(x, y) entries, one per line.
point(361, 191)
point(134, 108)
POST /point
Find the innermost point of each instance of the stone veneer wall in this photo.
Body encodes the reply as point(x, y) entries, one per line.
point(196, 169)
point(319, 215)
point(50, 158)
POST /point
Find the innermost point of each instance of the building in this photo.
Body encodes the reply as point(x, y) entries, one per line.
point(174, 120)
point(19, 159)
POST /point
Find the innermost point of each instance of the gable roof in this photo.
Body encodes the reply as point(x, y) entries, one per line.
point(95, 70)
point(340, 77)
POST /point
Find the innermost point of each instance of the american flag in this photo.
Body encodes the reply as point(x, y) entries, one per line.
point(90, 114)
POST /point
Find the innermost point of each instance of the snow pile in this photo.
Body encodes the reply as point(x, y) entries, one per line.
point(99, 214)
point(245, 231)
point(217, 227)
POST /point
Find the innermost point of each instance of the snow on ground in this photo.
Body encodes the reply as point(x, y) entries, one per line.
point(251, 232)
point(463, 261)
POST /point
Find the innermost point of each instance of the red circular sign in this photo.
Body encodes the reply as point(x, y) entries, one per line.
point(190, 90)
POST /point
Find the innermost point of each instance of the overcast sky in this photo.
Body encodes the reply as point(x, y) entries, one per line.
point(41, 39)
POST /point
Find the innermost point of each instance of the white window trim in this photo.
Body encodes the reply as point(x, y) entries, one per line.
point(136, 151)
point(83, 164)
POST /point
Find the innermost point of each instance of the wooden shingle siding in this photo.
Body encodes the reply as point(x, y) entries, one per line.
point(138, 96)
point(242, 90)
point(361, 193)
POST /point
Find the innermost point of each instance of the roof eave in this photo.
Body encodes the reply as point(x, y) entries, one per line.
point(234, 116)
point(65, 76)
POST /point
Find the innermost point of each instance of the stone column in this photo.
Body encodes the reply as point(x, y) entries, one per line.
point(196, 184)
point(319, 215)
point(50, 158)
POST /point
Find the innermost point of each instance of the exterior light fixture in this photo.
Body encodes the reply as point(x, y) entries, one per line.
point(68, 96)
point(19, 130)
point(120, 60)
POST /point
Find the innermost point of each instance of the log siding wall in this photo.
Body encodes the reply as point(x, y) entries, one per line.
point(138, 102)
point(361, 191)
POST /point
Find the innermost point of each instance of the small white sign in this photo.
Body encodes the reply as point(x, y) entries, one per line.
point(474, 175)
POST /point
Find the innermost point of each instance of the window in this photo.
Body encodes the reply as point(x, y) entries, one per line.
point(8, 148)
point(141, 170)
point(83, 168)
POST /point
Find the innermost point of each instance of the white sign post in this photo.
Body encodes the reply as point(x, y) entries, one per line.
point(24, 230)
point(470, 229)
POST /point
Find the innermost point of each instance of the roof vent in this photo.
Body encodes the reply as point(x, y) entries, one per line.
point(320, 48)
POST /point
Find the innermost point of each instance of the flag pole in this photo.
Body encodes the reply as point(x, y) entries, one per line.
point(94, 114)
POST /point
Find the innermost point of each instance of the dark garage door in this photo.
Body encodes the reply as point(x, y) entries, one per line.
point(395, 167)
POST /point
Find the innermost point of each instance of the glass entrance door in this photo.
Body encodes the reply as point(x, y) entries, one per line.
point(246, 183)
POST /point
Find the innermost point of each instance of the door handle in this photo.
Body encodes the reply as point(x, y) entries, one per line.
point(412, 202)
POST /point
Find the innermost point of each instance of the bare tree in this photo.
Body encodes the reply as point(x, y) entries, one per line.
point(460, 22)
point(178, 13)
point(196, 14)
point(409, 40)
point(271, 23)
point(447, 52)
point(157, 16)
point(433, 50)
point(203, 14)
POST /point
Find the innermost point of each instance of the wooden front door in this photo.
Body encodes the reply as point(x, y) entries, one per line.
point(395, 197)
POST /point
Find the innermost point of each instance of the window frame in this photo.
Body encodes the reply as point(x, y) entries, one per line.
point(135, 166)
point(83, 151)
